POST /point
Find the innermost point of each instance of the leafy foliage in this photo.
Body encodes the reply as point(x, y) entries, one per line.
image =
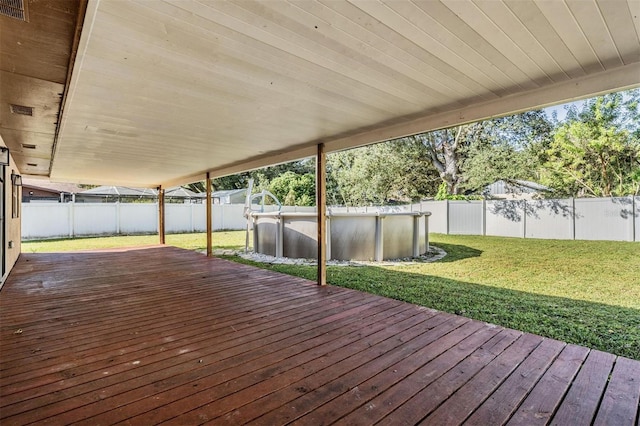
point(596, 152)
point(443, 194)
point(293, 189)
point(379, 174)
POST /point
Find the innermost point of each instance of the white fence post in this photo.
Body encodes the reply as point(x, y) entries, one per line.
point(448, 217)
point(573, 218)
point(71, 219)
point(118, 217)
point(193, 224)
point(328, 238)
point(636, 220)
point(524, 219)
point(484, 216)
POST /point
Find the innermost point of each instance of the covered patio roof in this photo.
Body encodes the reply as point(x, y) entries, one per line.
point(161, 92)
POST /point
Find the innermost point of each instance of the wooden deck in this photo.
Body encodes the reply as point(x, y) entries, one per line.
point(164, 335)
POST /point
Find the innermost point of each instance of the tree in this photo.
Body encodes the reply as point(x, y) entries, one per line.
point(596, 151)
point(508, 149)
point(379, 174)
point(293, 189)
point(445, 151)
point(471, 156)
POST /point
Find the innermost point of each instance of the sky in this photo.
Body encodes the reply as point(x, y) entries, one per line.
point(560, 109)
point(562, 112)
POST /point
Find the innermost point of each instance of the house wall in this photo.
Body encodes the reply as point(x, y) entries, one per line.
point(31, 192)
point(13, 225)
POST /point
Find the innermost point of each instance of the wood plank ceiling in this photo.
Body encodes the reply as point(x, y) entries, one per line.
point(34, 59)
point(163, 91)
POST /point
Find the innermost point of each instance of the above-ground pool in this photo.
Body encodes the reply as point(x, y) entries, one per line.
point(350, 236)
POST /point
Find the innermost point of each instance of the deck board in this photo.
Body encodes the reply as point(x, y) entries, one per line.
point(545, 398)
point(499, 407)
point(622, 395)
point(159, 334)
point(582, 400)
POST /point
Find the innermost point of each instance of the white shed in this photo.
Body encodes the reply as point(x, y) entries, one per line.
point(514, 189)
point(231, 196)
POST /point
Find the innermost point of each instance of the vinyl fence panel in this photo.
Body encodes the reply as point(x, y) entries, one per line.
point(46, 220)
point(178, 218)
point(604, 219)
point(550, 219)
point(138, 218)
point(466, 217)
point(505, 218)
point(95, 218)
point(616, 219)
point(439, 215)
point(199, 214)
point(228, 216)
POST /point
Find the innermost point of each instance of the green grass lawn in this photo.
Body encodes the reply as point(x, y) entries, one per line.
point(197, 241)
point(582, 292)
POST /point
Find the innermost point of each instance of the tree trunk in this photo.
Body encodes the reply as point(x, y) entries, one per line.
point(442, 146)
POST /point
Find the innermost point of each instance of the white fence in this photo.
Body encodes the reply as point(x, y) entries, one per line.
point(51, 220)
point(613, 219)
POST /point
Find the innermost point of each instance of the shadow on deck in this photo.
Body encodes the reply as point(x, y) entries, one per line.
point(161, 334)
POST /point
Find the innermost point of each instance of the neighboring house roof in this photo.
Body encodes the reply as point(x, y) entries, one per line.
point(44, 184)
point(180, 192)
point(228, 192)
point(119, 191)
point(534, 186)
point(177, 192)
